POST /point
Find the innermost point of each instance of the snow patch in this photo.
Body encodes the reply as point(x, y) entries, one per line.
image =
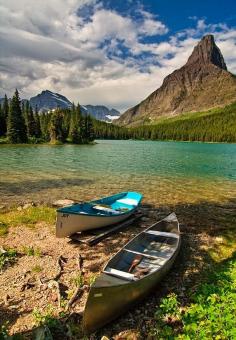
point(112, 117)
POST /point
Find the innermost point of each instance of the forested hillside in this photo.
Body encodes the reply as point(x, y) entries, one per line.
point(217, 125)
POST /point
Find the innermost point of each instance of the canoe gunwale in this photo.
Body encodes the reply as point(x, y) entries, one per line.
point(97, 215)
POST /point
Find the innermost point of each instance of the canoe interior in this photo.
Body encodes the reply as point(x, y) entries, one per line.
point(152, 252)
point(117, 204)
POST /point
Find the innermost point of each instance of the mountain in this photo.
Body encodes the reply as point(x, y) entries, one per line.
point(48, 100)
point(100, 112)
point(202, 83)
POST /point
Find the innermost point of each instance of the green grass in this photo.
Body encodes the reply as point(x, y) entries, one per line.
point(31, 251)
point(7, 256)
point(27, 217)
point(211, 313)
point(78, 280)
point(37, 269)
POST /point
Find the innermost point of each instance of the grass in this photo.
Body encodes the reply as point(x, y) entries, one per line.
point(7, 257)
point(31, 251)
point(28, 217)
point(37, 269)
point(211, 313)
point(78, 280)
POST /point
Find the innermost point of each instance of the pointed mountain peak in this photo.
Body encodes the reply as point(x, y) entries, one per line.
point(206, 52)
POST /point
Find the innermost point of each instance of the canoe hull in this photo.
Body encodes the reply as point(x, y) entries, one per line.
point(68, 224)
point(99, 309)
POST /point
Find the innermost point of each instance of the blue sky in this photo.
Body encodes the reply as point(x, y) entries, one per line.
point(109, 52)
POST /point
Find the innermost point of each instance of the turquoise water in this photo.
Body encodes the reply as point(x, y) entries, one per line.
point(163, 171)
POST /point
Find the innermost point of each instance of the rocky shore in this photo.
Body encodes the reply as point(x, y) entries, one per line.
point(44, 283)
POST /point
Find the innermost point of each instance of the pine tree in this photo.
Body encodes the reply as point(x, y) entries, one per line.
point(31, 125)
point(4, 115)
point(38, 131)
point(16, 129)
point(75, 121)
point(56, 129)
point(89, 132)
point(2, 122)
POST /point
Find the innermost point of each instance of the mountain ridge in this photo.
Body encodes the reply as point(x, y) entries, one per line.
point(48, 100)
point(202, 83)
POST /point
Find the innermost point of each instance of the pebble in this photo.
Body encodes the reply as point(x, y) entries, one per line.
point(28, 205)
point(62, 203)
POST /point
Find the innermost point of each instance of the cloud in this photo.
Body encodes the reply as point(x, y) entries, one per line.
point(93, 54)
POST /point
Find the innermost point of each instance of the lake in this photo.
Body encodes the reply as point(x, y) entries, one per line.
point(165, 172)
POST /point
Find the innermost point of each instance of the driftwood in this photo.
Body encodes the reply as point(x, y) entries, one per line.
point(80, 262)
point(78, 292)
point(60, 268)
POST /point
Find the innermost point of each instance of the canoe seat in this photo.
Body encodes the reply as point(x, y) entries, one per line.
point(106, 209)
point(119, 273)
point(129, 201)
point(161, 233)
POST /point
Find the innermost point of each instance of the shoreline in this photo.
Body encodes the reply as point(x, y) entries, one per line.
point(131, 139)
point(41, 264)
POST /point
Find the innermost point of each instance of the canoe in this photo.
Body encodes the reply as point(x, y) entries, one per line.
point(132, 273)
point(96, 214)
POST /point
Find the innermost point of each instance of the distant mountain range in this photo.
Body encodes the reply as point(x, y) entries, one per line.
point(201, 84)
point(48, 100)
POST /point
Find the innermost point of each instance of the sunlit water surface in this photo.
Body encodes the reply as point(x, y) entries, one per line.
point(165, 172)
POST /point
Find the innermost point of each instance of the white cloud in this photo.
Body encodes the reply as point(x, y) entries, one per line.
point(102, 59)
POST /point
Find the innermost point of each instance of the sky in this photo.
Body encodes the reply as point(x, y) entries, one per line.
point(110, 52)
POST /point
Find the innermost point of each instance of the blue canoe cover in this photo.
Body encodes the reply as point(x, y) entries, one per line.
point(117, 204)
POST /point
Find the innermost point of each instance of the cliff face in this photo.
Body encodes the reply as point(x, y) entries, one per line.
point(202, 83)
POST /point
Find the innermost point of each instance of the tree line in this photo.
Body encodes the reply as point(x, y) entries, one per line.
point(19, 123)
point(218, 125)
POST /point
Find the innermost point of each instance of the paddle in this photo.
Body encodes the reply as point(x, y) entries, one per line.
point(135, 262)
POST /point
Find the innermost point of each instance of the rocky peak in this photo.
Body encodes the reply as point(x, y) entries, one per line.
point(199, 85)
point(206, 52)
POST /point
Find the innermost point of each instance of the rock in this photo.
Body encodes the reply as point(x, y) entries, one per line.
point(202, 83)
point(128, 335)
point(6, 299)
point(19, 208)
point(104, 337)
point(63, 203)
point(145, 219)
point(2, 207)
point(27, 205)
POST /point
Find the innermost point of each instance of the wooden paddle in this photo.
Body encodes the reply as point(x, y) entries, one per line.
point(135, 262)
